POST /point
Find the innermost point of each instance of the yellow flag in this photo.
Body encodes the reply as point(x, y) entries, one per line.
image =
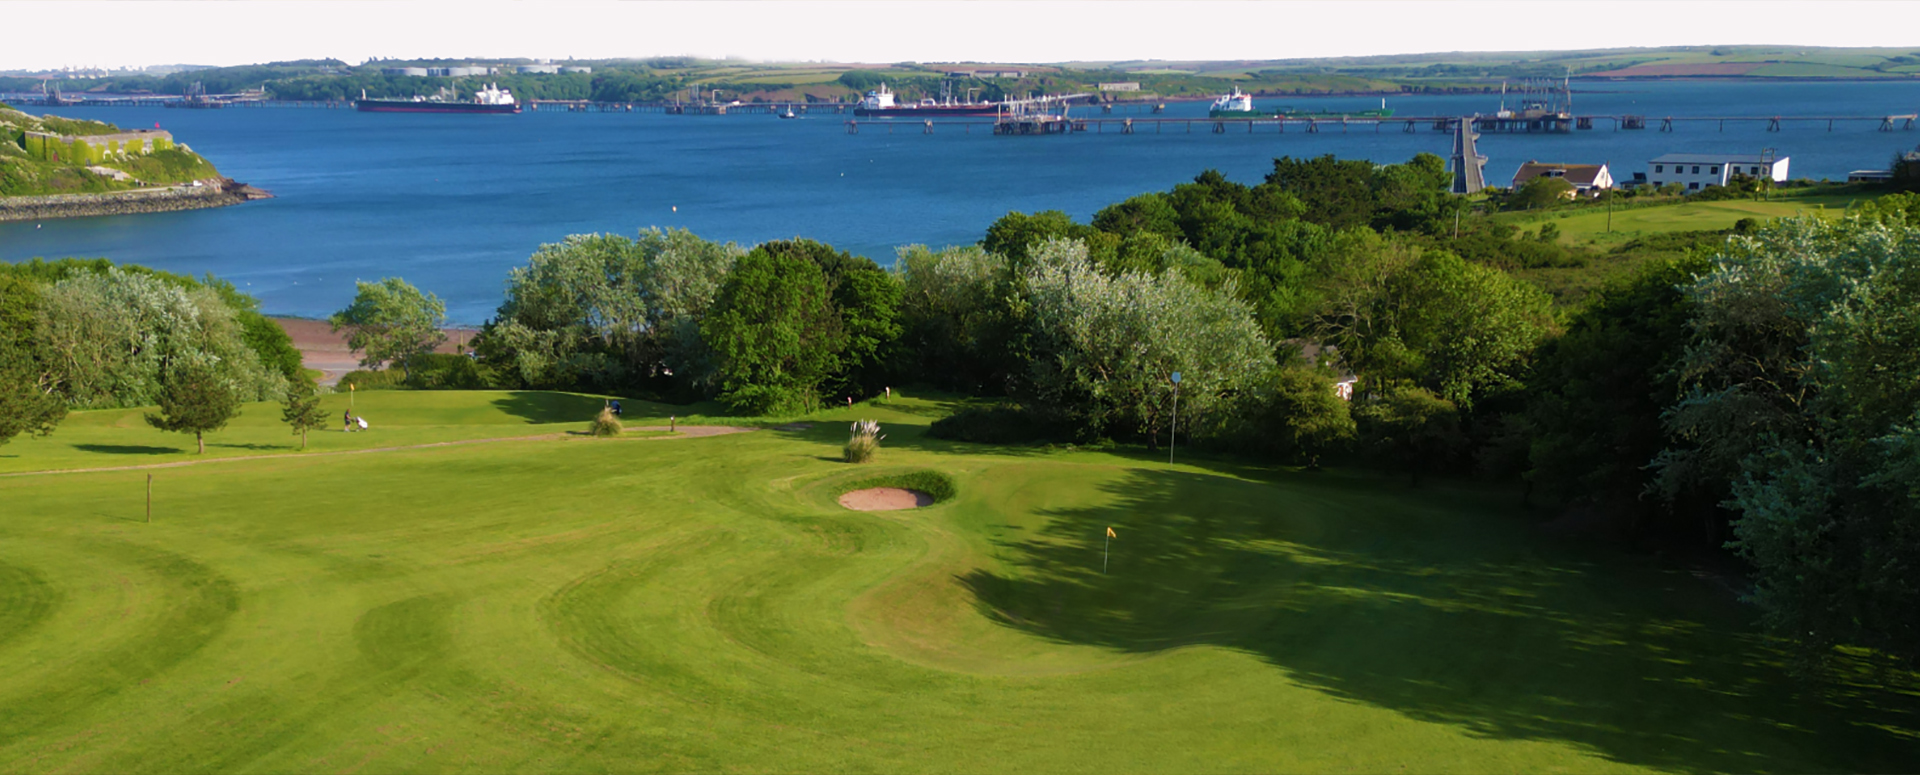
point(1110, 533)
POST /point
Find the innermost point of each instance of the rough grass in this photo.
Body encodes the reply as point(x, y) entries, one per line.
point(605, 424)
point(693, 605)
point(860, 449)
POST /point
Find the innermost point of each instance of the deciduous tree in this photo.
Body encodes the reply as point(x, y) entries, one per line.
point(28, 402)
point(1105, 346)
point(1309, 417)
point(1803, 379)
point(391, 321)
point(774, 334)
point(196, 396)
point(301, 408)
point(1410, 426)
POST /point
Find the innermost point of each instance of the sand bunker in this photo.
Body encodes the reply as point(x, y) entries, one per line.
point(885, 499)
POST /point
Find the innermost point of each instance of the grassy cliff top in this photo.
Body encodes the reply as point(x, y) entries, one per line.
point(18, 121)
point(24, 174)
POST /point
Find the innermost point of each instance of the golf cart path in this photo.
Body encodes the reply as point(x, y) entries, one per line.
point(684, 431)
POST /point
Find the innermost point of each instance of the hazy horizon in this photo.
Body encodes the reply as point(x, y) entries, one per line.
point(149, 34)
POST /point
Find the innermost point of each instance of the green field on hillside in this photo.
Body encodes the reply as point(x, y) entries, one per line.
point(1588, 225)
point(573, 604)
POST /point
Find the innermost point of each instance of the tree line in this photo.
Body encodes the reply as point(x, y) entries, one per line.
point(92, 335)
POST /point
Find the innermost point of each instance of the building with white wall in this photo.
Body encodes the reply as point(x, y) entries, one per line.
point(1696, 171)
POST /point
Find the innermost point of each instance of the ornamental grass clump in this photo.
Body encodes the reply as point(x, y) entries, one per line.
point(605, 424)
point(864, 442)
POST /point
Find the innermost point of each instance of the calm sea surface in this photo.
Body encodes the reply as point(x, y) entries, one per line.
point(452, 202)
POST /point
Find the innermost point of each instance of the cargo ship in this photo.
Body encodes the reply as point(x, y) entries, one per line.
point(489, 100)
point(879, 104)
point(1240, 105)
point(1381, 112)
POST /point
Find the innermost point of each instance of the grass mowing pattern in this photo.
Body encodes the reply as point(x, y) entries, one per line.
point(120, 437)
point(700, 604)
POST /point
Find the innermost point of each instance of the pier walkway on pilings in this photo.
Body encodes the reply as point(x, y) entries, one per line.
point(1052, 125)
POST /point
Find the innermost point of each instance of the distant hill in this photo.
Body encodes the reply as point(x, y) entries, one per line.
point(690, 78)
point(1664, 62)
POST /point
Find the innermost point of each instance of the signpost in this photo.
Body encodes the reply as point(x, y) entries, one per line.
point(1173, 422)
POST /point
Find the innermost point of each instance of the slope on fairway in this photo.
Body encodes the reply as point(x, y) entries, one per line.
point(701, 604)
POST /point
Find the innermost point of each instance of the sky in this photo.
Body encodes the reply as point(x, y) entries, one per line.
point(119, 33)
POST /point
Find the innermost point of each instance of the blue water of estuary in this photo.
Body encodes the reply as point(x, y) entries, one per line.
point(452, 202)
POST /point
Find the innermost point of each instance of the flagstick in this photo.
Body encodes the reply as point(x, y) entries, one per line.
point(1103, 555)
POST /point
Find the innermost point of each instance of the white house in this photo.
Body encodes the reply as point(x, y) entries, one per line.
point(1587, 179)
point(1699, 170)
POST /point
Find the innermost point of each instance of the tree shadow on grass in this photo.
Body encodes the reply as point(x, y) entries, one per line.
point(255, 446)
point(1425, 607)
point(126, 449)
point(540, 407)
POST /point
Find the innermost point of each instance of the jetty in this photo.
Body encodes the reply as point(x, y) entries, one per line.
point(1063, 124)
point(1037, 118)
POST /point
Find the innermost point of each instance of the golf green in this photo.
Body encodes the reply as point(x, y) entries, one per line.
point(564, 603)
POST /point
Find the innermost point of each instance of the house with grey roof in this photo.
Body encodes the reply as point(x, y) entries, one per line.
point(1586, 179)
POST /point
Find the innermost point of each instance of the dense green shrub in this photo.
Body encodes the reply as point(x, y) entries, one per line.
point(363, 379)
point(268, 341)
point(933, 483)
point(445, 371)
point(112, 333)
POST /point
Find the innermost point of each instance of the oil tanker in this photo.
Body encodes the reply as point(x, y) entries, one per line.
point(879, 104)
point(489, 100)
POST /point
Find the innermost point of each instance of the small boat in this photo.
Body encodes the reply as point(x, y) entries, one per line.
point(789, 113)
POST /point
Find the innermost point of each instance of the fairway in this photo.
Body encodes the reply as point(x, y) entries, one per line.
point(568, 604)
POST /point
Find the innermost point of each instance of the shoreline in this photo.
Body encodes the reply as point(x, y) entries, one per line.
point(324, 351)
point(198, 195)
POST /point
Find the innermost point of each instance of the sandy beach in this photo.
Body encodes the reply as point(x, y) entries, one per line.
point(326, 352)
